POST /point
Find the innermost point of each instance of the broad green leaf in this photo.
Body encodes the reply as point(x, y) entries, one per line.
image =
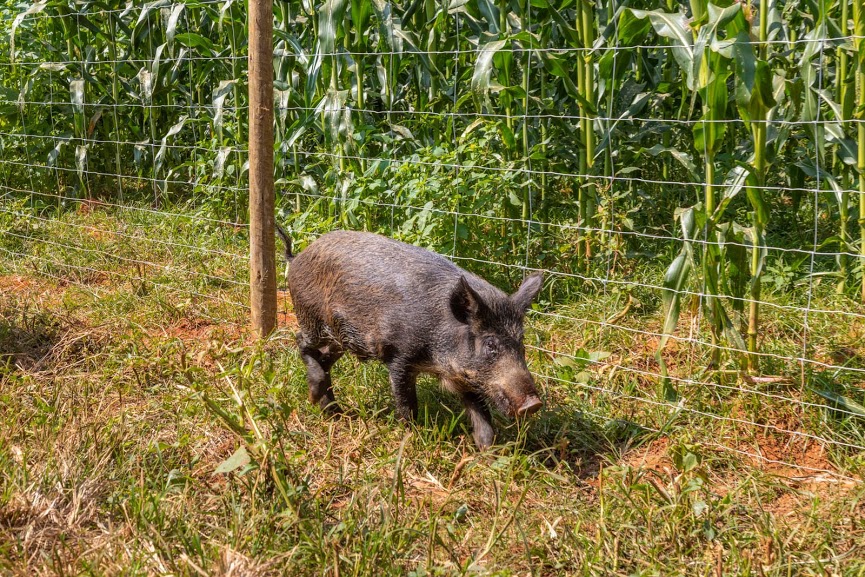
point(639, 102)
point(81, 160)
point(720, 17)
point(758, 203)
point(483, 72)
point(675, 28)
point(847, 148)
point(674, 280)
point(823, 177)
point(710, 130)
point(845, 403)
point(219, 162)
point(240, 458)
point(34, 8)
point(567, 30)
point(683, 158)
point(632, 29)
point(828, 98)
point(735, 274)
point(507, 135)
point(193, 40)
point(329, 18)
point(312, 74)
point(218, 100)
point(171, 27)
point(731, 333)
point(733, 185)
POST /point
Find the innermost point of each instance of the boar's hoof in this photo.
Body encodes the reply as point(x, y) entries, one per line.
point(531, 406)
point(484, 438)
point(329, 407)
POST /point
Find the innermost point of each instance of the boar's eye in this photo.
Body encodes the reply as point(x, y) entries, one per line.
point(491, 347)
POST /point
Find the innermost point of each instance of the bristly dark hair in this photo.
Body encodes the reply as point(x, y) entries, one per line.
point(287, 240)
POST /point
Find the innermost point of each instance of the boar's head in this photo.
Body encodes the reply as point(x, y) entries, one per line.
point(490, 358)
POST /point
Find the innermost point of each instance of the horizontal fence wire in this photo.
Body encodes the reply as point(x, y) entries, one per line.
point(429, 164)
point(129, 160)
point(779, 122)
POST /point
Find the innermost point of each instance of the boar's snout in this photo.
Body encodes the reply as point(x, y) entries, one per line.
point(531, 406)
point(514, 393)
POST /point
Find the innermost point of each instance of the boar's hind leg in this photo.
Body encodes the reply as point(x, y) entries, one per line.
point(319, 360)
point(479, 414)
point(402, 384)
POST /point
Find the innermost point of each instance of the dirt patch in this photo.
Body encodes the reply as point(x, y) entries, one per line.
point(804, 471)
point(285, 317)
point(797, 502)
point(202, 330)
point(15, 284)
point(34, 290)
point(791, 456)
point(88, 205)
point(654, 455)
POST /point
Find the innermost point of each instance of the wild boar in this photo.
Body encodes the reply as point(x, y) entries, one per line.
point(416, 312)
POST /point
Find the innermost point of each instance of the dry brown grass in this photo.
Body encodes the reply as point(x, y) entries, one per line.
point(108, 455)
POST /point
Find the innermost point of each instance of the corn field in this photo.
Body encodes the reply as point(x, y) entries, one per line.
point(698, 167)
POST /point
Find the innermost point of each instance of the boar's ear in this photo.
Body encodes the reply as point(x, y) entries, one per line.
point(528, 291)
point(466, 304)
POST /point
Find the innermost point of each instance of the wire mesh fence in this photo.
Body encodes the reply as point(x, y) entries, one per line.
point(687, 177)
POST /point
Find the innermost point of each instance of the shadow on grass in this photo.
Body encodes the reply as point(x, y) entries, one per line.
point(582, 440)
point(27, 339)
point(560, 433)
point(557, 434)
point(33, 341)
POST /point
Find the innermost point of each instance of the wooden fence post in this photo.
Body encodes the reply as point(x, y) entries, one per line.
point(262, 253)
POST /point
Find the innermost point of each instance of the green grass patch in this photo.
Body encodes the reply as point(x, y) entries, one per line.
point(128, 378)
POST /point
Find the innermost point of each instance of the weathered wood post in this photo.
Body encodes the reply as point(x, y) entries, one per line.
point(262, 254)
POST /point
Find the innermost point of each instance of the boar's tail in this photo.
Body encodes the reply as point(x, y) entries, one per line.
point(287, 240)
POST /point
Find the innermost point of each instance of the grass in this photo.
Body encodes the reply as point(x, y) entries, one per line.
point(127, 377)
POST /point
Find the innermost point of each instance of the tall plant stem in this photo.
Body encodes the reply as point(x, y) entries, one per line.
point(526, 66)
point(759, 131)
point(543, 123)
point(844, 98)
point(859, 31)
point(581, 190)
point(503, 32)
point(115, 95)
point(708, 256)
point(588, 91)
point(756, 251)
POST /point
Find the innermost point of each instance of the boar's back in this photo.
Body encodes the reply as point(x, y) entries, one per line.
point(372, 294)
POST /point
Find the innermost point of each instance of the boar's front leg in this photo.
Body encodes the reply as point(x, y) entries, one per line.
point(319, 361)
point(403, 385)
point(479, 414)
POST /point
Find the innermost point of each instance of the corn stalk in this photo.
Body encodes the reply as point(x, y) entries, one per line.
point(755, 100)
point(859, 43)
point(845, 92)
point(586, 83)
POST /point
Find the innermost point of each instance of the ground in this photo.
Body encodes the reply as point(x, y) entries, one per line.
point(128, 377)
